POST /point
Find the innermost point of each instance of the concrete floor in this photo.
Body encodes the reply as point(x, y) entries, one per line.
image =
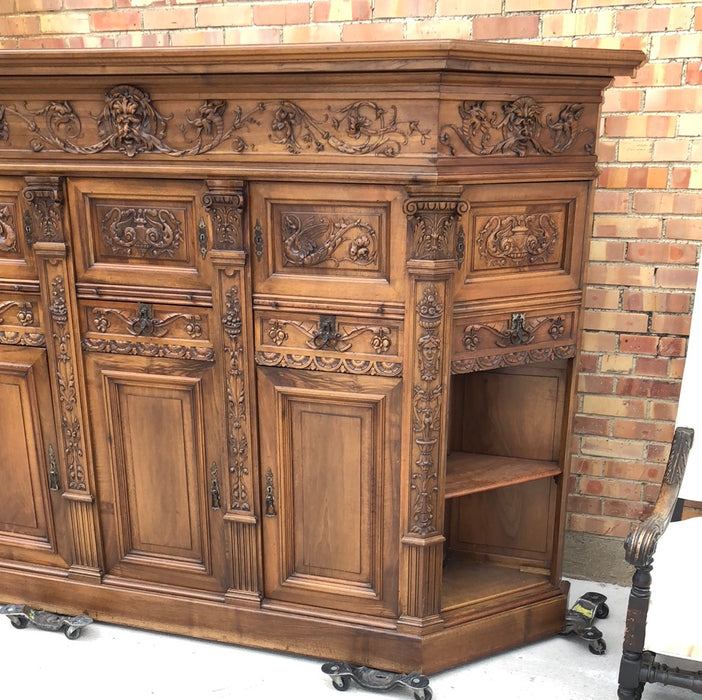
point(109, 662)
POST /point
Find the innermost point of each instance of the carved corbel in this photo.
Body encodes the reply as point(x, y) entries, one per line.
point(43, 217)
point(433, 216)
point(225, 202)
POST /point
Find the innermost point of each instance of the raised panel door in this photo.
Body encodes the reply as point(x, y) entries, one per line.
point(33, 523)
point(330, 456)
point(157, 447)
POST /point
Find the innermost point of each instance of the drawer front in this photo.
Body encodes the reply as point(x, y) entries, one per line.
point(150, 330)
point(327, 241)
point(523, 239)
point(502, 339)
point(328, 342)
point(139, 232)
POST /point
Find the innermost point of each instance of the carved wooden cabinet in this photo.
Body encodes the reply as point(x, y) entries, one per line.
point(288, 340)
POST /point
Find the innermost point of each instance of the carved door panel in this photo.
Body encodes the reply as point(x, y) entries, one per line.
point(16, 258)
point(157, 448)
point(33, 526)
point(330, 461)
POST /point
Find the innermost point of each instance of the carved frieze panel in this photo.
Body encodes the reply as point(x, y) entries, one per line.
point(132, 123)
point(520, 127)
point(510, 359)
point(323, 363)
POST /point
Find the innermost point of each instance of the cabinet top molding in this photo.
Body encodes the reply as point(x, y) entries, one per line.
point(400, 56)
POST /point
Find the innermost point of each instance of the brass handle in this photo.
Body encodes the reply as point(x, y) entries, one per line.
point(215, 502)
point(269, 510)
point(54, 484)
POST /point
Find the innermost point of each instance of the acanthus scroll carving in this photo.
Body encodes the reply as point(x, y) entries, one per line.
point(520, 128)
point(8, 229)
point(519, 331)
point(426, 418)
point(141, 231)
point(144, 323)
point(24, 315)
point(517, 239)
point(236, 404)
point(316, 239)
point(70, 423)
point(131, 124)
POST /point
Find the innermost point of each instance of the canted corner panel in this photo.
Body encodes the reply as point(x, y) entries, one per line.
point(524, 239)
point(307, 241)
point(134, 232)
point(157, 459)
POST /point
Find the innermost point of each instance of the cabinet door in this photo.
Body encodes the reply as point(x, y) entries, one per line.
point(157, 441)
point(33, 524)
point(330, 461)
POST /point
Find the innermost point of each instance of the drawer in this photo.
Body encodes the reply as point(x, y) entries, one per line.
point(328, 342)
point(505, 338)
point(328, 241)
point(139, 232)
point(523, 239)
point(20, 320)
point(143, 328)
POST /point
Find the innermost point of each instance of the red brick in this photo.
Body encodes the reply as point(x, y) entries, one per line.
point(88, 4)
point(593, 467)
point(662, 252)
point(640, 125)
point(275, 13)
point(626, 509)
point(648, 20)
point(627, 227)
point(628, 490)
point(622, 100)
point(673, 99)
point(669, 73)
point(676, 277)
point(169, 18)
point(657, 452)
point(42, 42)
point(673, 347)
point(633, 178)
point(666, 202)
point(671, 149)
point(652, 366)
point(514, 27)
point(611, 202)
point(609, 527)
point(649, 388)
point(349, 11)
point(693, 73)
point(115, 21)
point(673, 302)
point(615, 321)
point(595, 384)
point(589, 363)
point(663, 411)
point(198, 37)
point(670, 324)
point(633, 471)
point(403, 8)
point(625, 275)
point(675, 45)
point(20, 25)
point(585, 504)
point(643, 430)
point(638, 344)
point(590, 425)
point(372, 31)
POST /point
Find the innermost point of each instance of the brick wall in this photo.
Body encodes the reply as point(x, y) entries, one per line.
point(647, 207)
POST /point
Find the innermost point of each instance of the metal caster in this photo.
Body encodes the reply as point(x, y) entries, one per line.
point(21, 615)
point(579, 620)
point(373, 679)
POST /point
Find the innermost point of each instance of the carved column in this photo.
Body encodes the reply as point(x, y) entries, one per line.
point(436, 244)
point(44, 230)
point(224, 202)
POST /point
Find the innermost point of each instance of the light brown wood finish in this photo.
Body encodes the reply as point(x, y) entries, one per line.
point(234, 287)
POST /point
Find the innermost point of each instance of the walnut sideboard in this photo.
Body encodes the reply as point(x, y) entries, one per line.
point(288, 339)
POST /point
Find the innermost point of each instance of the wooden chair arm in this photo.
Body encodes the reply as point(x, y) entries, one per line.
point(641, 543)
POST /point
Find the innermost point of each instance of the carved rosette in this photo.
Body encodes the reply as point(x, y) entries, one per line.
point(518, 128)
point(225, 205)
point(239, 475)
point(426, 417)
point(433, 224)
point(43, 217)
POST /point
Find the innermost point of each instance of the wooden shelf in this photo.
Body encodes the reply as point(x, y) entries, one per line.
point(471, 473)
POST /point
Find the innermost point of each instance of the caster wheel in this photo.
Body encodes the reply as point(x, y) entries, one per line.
point(19, 622)
point(423, 694)
point(598, 647)
point(341, 683)
point(72, 632)
point(602, 611)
